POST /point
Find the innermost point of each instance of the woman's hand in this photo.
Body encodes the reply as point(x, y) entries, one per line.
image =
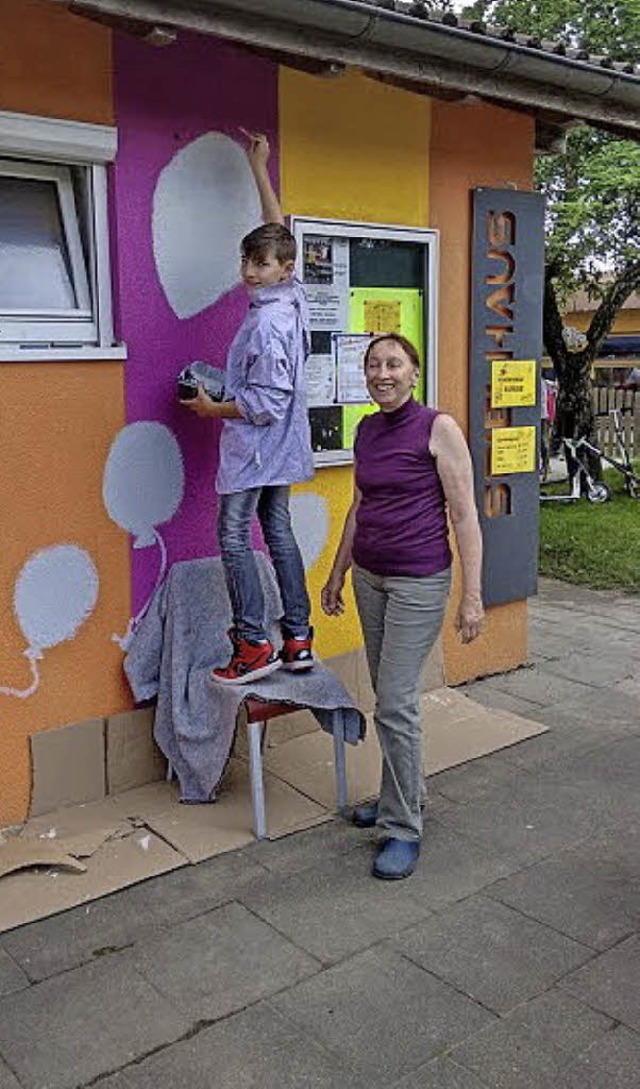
point(331, 596)
point(258, 151)
point(202, 404)
point(470, 617)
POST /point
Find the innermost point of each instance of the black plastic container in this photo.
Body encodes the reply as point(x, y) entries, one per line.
point(194, 374)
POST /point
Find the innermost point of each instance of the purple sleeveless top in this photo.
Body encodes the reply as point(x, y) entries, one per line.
point(401, 523)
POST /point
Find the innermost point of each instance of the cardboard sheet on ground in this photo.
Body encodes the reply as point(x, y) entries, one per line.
point(16, 855)
point(455, 729)
point(307, 763)
point(32, 895)
point(141, 833)
point(199, 832)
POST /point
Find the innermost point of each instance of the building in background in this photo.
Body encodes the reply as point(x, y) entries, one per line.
point(403, 143)
point(620, 351)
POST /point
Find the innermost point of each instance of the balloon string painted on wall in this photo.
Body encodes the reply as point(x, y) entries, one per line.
point(124, 641)
point(23, 693)
point(142, 488)
point(55, 592)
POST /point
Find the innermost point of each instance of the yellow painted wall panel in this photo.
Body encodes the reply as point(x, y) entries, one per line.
point(335, 487)
point(354, 149)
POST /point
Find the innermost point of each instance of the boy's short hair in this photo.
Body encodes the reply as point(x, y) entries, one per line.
point(269, 240)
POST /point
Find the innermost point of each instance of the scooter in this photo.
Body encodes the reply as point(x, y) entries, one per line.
point(582, 482)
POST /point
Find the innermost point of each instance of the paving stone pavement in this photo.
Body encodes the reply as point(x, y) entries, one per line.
point(510, 960)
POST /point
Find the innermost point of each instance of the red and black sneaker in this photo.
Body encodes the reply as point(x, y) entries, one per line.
point(249, 661)
point(296, 654)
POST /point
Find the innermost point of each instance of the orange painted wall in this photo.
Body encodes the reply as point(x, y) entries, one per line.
point(472, 145)
point(57, 422)
point(53, 63)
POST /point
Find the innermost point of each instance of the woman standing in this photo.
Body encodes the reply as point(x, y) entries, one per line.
point(411, 464)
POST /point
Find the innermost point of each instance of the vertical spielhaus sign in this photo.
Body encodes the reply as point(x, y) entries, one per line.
point(507, 279)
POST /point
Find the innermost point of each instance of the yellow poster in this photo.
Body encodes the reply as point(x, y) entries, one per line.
point(383, 315)
point(386, 310)
point(513, 450)
point(513, 382)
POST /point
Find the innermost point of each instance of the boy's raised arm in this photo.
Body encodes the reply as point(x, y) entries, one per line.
point(258, 153)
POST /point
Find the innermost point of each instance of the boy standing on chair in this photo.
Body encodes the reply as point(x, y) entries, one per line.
point(265, 444)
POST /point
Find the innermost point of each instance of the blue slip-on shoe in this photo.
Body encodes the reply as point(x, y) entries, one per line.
point(396, 859)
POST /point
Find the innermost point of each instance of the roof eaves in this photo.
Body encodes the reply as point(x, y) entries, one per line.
point(417, 9)
point(386, 38)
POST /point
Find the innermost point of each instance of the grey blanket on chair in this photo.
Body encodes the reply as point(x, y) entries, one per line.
point(184, 634)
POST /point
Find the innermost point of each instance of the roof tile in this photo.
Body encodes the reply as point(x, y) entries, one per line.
point(417, 9)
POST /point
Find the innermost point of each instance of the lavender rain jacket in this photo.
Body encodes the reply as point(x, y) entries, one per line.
point(265, 377)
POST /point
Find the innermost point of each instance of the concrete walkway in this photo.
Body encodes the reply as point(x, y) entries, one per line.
point(510, 960)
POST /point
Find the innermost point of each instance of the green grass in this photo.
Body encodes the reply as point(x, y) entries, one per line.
point(596, 545)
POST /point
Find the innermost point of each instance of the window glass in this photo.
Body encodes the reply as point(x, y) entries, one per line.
point(34, 261)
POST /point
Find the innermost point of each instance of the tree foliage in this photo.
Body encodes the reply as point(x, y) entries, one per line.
point(612, 28)
point(592, 190)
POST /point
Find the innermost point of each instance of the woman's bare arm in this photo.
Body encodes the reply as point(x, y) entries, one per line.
point(453, 461)
point(331, 596)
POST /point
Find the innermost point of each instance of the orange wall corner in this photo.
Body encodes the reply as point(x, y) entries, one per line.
point(471, 146)
point(501, 647)
point(53, 63)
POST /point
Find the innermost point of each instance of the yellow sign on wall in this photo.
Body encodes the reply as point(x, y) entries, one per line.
point(388, 310)
point(513, 382)
point(382, 315)
point(384, 310)
point(513, 450)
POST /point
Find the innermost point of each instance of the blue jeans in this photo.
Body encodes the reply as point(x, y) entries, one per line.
point(235, 515)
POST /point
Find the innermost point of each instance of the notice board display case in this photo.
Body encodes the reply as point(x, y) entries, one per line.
point(361, 279)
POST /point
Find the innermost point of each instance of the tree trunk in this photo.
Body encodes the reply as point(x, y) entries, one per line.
point(574, 368)
point(574, 411)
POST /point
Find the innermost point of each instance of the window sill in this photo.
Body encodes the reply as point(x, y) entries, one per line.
point(73, 354)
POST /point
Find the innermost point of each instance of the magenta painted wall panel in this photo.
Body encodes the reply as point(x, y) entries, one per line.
point(166, 101)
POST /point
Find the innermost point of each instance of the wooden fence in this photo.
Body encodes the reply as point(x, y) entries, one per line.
point(627, 401)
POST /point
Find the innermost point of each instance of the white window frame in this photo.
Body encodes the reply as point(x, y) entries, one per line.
point(51, 149)
point(68, 323)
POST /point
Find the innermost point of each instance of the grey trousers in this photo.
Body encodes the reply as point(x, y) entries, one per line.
point(401, 619)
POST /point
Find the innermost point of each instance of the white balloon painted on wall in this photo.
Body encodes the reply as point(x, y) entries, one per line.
point(310, 521)
point(142, 488)
point(205, 201)
point(55, 592)
point(143, 482)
